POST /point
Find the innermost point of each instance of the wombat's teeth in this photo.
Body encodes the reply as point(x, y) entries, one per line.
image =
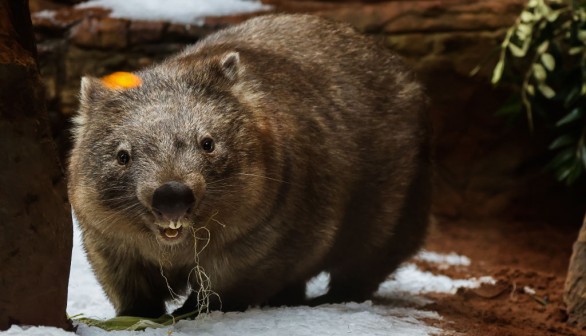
point(175, 225)
point(171, 233)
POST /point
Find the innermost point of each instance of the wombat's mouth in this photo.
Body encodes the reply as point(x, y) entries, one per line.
point(171, 233)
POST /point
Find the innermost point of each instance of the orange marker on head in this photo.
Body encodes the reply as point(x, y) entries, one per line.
point(121, 80)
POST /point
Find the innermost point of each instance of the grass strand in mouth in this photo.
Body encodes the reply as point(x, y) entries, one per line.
point(204, 292)
point(202, 280)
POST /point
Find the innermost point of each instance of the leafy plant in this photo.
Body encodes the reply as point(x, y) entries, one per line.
point(544, 53)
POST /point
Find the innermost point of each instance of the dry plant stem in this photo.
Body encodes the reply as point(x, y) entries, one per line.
point(204, 291)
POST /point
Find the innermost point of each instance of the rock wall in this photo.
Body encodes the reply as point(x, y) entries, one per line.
point(483, 167)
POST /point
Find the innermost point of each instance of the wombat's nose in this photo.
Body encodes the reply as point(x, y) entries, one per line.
point(172, 200)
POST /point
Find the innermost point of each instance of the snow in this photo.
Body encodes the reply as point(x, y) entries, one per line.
point(451, 259)
point(397, 307)
point(529, 290)
point(412, 280)
point(45, 14)
point(176, 11)
point(85, 294)
point(35, 331)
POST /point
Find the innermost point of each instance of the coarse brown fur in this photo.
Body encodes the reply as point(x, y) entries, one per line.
point(321, 163)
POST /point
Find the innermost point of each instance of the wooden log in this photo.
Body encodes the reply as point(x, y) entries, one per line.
point(35, 220)
point(575, 286)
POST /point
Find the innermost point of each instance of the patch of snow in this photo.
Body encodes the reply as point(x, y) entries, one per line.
point(176, 11)
point(35, 331)
point(529, 290)
point(412, 280)
point(45, 14)
point(85, 294)
point(318, 285)
point(451, 259)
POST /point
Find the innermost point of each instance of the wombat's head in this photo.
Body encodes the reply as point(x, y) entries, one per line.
point(177, 152)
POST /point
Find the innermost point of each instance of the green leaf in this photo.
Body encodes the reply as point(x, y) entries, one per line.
point(575, 114)
point(530, 89)
point(562, 141)
point(562, 158)
point(553, 16)
point(575, 50)
point(569, 174)
point(511, 107)
point(576, 173)
point(583, 156)
point(548, 61)
point(582, 35)
point(546, 91)
point(543, 47)
point(543, 8)
point(563, 173)
point(497, 73)
point(539, 72)
point(572, 96)
point(527, 16)
point(517, 51)
point(523, 31)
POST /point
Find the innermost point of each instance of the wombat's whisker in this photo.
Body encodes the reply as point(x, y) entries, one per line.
point(221, 187)
point(127, 208)
point(268, 178)
point(131, 211)
point(118, 188)
point(221, 180)
point(214, 198)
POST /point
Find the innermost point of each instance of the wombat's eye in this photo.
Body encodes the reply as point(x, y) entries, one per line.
point(123, 157)
point(208, 145)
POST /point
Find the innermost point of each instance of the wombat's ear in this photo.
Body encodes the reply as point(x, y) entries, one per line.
point(230, 65)
point(92, 89)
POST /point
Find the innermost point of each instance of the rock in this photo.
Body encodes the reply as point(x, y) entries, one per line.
point(146, 31)
point(575, 286)
point(100, 32)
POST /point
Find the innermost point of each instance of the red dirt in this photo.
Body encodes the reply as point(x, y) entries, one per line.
point(515, 254)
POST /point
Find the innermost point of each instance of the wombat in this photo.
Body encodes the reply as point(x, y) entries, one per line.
point(294, 144)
